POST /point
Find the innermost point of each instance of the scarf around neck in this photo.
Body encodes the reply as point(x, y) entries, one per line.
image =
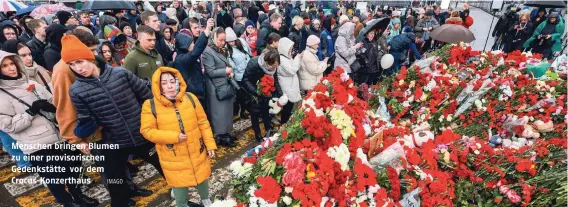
point(264, 67)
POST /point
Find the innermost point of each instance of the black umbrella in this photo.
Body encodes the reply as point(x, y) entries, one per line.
point(104, 5)
point(375, 24)
point(547, 4)
point(452, 33)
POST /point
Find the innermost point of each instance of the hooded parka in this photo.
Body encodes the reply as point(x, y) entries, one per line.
point(288, 71)
point(345, 47)
point(185, 164)
point(14, 120)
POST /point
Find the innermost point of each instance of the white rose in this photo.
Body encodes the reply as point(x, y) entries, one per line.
point(287, 200)
point(288, 189)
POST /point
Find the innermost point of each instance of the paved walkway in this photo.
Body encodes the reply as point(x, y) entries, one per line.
point(481, 29)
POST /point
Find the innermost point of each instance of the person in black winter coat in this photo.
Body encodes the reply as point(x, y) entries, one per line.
point(52, 52)
point(271, 25)
point(253, 14)
point(180, 13)
point(224, 20)
point(10, 31)
point(538, 18)
point(27, 34)
point(370, 71)
point(518, 34)
point(112, 98)
point(39, 41)
point(503, 25)
point(265, 64)
point(296, 35)
point(187, 64)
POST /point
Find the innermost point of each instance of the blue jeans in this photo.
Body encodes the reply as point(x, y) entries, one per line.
point(396, 65)
point(16, 153)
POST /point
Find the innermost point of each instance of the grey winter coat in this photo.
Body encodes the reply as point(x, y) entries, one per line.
point(345, 47)
point(114, 100)
point(288, 71)
point(220, 111)
point(419, 28)
point(23, 127)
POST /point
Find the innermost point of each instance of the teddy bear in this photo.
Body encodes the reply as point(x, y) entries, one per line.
point(542, 126)
point(276, 104)
point(530, 132)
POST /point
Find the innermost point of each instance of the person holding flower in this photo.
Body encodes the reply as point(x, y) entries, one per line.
point(26, 114)
point(258, 68)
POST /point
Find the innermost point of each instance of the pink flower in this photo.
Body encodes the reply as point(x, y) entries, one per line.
point(511, 194)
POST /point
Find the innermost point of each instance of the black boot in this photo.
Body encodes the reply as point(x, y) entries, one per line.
point(130, 202)
point(192, 204)
point(258, 138)
point(244, 115)
point(71, 204)
point(141, 193)
point(226, 141)
point(83, 200)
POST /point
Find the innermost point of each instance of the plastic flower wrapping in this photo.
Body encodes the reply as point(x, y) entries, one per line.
point(460, 128)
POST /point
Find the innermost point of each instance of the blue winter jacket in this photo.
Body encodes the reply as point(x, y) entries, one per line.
point(187, 64)
point(403, 42)
point(326, 45)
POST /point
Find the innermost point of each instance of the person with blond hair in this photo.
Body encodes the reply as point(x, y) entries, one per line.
point(518, 33)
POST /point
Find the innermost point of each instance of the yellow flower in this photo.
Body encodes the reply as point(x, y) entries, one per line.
point(309, 173)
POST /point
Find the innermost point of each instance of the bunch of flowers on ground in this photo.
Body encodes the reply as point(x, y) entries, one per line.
point(460, 128)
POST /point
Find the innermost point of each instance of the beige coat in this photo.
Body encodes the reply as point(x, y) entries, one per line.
point(24, 128)
point(312, 69)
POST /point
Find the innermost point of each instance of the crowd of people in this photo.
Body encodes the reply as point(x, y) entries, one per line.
point(170, 79)
point(536, 30)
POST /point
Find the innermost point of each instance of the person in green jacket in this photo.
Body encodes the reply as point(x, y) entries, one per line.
point(144, 59)
point(546, 38)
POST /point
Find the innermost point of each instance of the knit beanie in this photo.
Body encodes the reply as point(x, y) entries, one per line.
point(63, 16)
point(230, 35)
point(123, 25)
point(312, 40)
point(171, 22)
point(111, 31)
point(249, 23)
point(74, 49)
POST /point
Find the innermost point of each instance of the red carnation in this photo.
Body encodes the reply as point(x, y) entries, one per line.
point(270, 190)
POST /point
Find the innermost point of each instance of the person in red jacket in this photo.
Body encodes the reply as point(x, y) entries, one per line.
point(455, 19)
point(250, 36)
point(467, 20)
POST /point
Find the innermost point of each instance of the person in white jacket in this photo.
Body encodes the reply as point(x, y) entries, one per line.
point(27, 115)
point(288, 77)
point(312, 68)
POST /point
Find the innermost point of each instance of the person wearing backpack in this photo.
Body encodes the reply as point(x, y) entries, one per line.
point(175, 121)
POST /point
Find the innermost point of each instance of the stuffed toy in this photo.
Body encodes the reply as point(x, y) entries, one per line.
point(542, 126)
point(276, 104)
point(530, 132)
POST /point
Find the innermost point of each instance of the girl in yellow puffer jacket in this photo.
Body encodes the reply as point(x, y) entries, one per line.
point(177, 123)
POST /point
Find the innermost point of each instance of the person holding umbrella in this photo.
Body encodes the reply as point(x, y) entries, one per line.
point(372, 53)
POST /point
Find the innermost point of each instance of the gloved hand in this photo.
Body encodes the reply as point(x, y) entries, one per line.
point(48, 107)
point(36, 106)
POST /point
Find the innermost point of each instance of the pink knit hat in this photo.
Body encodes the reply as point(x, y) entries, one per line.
point(313, 40)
